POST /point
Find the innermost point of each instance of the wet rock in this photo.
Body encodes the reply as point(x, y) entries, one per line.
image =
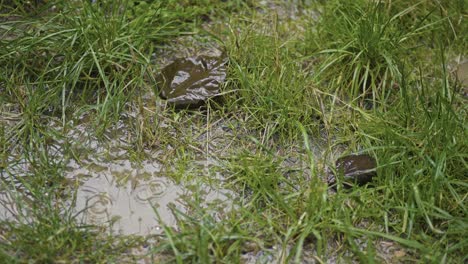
point(189, 82)
point(355, 170)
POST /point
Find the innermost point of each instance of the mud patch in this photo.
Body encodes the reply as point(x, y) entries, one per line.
point(129, 197)
point(129, 209)
point(134, 206)
point(189, 82)
point(8, 205)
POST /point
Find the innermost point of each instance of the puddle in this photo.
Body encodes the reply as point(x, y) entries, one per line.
point(14, 196)
point(294, 9)
point(8, 208)
point(110, 190)
point(131, 210)
point(128, 196)
point(117, 192)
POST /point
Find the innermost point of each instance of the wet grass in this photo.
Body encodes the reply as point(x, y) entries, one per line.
point(308, 83)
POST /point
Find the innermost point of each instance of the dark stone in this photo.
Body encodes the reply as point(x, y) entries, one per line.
point(189, 82)
point(355, 170)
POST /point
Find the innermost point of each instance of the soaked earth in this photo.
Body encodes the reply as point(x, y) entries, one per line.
point(139, 197)
point(190, 82)
point(134, 196)
point(131, 197)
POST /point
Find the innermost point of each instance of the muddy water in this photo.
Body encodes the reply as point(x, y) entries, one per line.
point(108, 189)
point(125, 196)
point(8, 208)
point(14, 197)
point(130, 197)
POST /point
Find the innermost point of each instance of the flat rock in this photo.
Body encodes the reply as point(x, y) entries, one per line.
point(189, 82)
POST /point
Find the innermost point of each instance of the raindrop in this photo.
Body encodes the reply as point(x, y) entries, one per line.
point(99, 204)
point(150, 190)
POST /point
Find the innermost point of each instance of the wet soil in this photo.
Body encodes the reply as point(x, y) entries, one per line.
point(136, 197)
point(189, 82)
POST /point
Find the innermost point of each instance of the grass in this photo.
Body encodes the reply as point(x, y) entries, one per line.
point(364, 77)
